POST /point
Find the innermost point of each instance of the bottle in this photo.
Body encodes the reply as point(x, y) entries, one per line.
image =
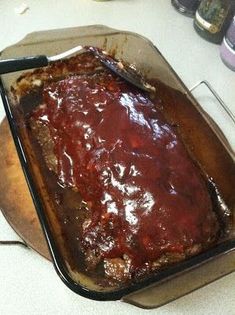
point(227, 50)
point(186, 7)
point(213, 18)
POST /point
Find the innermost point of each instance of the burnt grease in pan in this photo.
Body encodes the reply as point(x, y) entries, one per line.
point(130, 197)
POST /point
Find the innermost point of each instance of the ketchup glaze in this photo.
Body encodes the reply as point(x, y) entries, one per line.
point(144, 195)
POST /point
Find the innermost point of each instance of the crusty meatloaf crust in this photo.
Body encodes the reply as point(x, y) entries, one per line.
point(146, 202)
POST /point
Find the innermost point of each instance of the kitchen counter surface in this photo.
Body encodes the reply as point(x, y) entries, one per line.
point(29, 284)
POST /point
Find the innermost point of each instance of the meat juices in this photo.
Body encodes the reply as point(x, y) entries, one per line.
point(146, 202)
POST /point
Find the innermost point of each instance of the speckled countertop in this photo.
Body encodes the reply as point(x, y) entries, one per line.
point(28, 282)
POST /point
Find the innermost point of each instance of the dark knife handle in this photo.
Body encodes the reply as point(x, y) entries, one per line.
point(12, 65)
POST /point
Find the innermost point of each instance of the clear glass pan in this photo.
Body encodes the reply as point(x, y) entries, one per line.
point(211, 150)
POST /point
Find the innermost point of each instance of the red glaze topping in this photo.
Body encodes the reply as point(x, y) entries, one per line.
point(144, 194)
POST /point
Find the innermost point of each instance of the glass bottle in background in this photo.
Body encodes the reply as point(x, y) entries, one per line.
point(213, 18)
point(186, 7)
point(227, 50)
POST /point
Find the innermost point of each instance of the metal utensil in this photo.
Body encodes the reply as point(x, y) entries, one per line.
point(125, 72)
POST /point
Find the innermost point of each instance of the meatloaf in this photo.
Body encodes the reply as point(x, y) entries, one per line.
point(145, 200)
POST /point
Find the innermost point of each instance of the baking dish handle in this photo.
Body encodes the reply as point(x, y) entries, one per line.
point(216, 95)
point(12, 242)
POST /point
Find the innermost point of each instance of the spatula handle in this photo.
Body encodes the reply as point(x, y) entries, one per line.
point(12, 65)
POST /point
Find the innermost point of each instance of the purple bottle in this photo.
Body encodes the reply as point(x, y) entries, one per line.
point(227, 50)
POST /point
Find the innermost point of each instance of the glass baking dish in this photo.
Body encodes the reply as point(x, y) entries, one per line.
point(209, 146)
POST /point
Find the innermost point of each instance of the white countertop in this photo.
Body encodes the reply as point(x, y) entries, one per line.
point(28, 282)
